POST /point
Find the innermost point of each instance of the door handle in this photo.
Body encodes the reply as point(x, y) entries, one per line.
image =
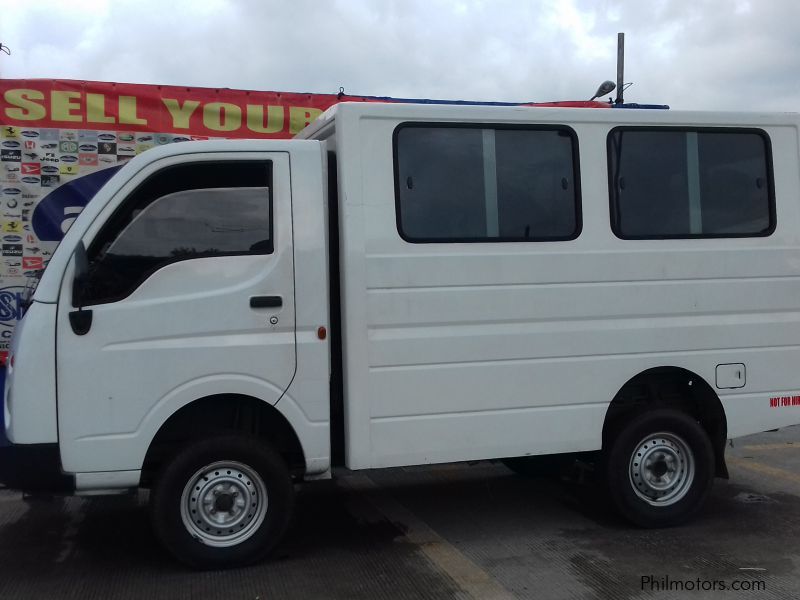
point(266, 301)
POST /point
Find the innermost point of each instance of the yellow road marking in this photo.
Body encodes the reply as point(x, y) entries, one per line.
point(474, 581)
point(781, 446)
point(764, 469)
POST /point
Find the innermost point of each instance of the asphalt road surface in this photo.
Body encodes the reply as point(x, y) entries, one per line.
point(450, 531)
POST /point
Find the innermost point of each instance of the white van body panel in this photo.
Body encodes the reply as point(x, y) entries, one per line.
point(306, 404)
point(459, 351)
point(30, 407)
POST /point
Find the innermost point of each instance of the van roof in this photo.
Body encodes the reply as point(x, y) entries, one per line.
point(548, 114)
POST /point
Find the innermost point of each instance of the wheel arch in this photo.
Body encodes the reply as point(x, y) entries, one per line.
point(224, 413)
point(671, 387)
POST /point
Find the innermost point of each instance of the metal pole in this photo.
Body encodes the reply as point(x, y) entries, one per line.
point(620, 66)
point(5, 49)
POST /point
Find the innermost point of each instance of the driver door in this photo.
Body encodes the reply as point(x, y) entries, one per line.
point(190, 289)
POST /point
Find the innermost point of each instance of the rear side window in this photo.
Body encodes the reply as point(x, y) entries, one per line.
point(182, 212)
point(690, 183)
point(486, 183)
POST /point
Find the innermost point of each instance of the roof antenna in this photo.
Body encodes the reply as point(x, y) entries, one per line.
point(5, 49)
point(620, 68)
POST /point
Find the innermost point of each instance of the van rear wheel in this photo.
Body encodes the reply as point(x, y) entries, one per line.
point(222, 502)
point(659, 468)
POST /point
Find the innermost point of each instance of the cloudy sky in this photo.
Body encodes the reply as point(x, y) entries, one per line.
point(690, 54)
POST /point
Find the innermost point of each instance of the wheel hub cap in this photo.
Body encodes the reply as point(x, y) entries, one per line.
point(224, 503)
point(662, 469)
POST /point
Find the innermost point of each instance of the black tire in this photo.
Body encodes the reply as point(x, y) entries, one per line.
point(686, 447)
point(546, 465)
point(251, 461)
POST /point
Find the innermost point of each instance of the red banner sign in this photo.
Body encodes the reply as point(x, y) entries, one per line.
point(44, 103)
point(198, 112)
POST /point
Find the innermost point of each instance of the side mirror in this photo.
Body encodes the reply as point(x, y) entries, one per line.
point(81, 276)
point(80, 320)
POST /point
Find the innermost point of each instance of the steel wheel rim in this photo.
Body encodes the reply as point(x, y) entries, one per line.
point(662, 469)
point(224, 503)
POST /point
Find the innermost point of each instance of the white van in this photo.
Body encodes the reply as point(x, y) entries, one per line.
point(416, 284)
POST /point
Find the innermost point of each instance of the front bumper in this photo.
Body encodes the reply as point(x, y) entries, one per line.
point(34, 468)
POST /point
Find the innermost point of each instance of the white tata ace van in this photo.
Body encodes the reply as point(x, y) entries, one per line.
point(415, 284)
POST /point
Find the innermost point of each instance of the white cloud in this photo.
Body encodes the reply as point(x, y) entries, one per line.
point(703, 54)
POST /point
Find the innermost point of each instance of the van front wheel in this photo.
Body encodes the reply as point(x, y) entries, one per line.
point(222, 502)
point(659, 468)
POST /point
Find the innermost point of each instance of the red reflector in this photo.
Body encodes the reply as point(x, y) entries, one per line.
point(322, 333)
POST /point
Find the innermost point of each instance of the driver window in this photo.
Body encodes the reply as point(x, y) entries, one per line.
point(183, 212)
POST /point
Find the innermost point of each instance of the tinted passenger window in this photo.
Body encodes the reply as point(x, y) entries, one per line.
point(478, 184)
point(183, 212)
point(673, 183)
